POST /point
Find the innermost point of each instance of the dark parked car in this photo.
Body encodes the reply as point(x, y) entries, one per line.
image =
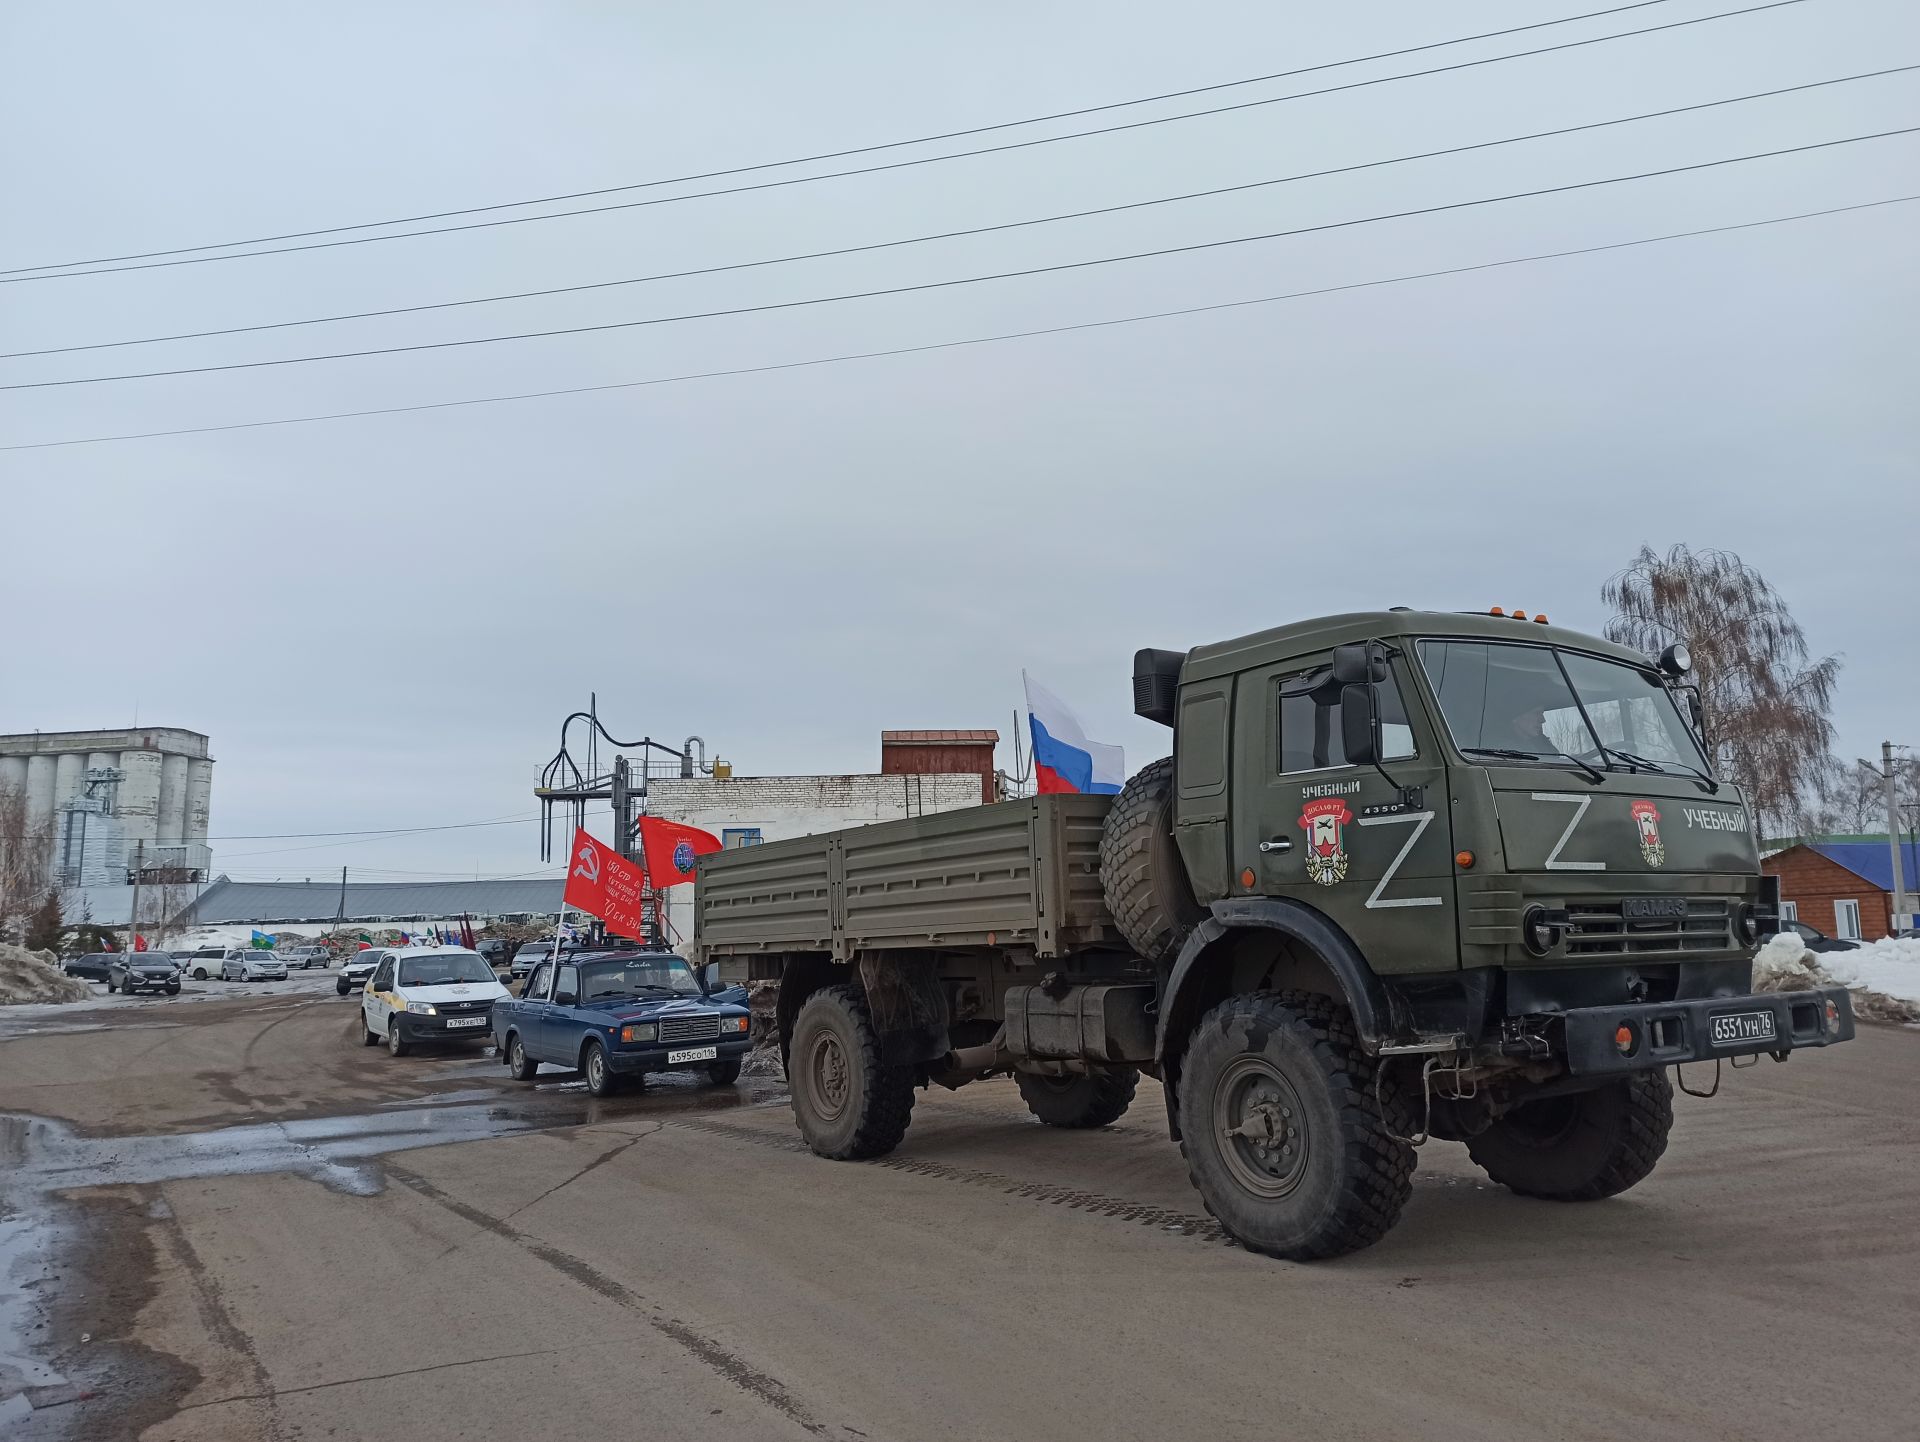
point(93, 966)
point(534, 951)
point(1818, 940)
point(497, 950)
point(149, 970)
point(614, 1015)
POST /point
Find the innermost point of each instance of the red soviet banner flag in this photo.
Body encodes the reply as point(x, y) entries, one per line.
point(605, 884)
point(672, 849)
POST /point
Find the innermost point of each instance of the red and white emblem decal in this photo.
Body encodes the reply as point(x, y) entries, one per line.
point(1646, 818)
point(1325, 823)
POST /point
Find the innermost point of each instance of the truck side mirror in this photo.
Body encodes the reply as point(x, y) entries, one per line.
point(1352, 666)
point(1359, 726)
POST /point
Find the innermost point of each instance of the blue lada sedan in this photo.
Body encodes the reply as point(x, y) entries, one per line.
point(617, 1015)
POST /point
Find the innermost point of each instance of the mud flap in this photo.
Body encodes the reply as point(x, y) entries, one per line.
point(908, 1006)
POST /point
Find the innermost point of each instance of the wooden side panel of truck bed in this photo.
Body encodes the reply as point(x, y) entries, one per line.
point(1014, 874)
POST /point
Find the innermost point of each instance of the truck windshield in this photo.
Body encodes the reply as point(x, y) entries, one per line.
point(638, 976)
point(1502, 699)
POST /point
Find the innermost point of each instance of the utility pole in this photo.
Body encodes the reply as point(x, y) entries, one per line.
point(1901, 918)
point(340, 914)
point(133, 913)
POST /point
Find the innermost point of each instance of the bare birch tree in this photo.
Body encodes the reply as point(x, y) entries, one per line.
point(24, 853)
point(1766, 701)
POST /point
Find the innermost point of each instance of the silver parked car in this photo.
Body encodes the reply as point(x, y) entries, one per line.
point(252, 966)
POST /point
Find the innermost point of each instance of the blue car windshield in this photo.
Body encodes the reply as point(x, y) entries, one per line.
point(636, 976)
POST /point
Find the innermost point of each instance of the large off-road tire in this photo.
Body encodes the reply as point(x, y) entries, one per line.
point(1140, 867)
point(1096, 1099)
point(1283, 1136)
point(848, 1106)
point(1583, 1147)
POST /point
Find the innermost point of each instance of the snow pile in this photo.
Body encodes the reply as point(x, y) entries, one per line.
point(27, 976)
point(1883, 976)
point(1891, 965)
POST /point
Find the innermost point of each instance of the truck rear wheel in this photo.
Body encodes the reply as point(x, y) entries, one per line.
point(847, 1104)
point(1583, 1147)
point(1284, 1138)
point(1095, 1099)
point(1140, 868)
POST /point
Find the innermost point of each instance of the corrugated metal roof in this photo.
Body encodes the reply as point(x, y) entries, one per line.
point(260, 901)
point(1872, 860)
point(922, 738)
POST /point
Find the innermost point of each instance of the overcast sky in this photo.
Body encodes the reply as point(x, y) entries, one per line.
point(381, 621)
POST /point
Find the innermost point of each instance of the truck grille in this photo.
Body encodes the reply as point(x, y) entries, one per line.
point(689, 1028)
point(1597, 928)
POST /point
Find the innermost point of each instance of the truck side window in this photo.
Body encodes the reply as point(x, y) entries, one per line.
point(1309, 722)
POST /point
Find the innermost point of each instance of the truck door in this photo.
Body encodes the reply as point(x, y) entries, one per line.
point(1371, 847)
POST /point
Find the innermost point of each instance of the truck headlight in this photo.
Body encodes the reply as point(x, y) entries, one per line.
point(421, 1008)
point(646, 1031)
point(732, 1024)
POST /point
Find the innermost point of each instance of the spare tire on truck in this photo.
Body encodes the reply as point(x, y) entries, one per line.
point(1140, 867)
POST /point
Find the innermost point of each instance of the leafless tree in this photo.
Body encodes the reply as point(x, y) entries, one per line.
point(25, 850)
point(1766, 702)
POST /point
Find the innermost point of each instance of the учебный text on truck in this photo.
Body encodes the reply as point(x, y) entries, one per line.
point(1404, 874)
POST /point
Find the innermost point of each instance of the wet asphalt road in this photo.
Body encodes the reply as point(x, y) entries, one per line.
point(264, 1230)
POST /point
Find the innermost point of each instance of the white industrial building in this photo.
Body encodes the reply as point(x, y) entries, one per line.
point(98, 801)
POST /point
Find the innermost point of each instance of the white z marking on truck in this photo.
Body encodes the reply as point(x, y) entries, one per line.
point(1580, 805)
point(1421, 820)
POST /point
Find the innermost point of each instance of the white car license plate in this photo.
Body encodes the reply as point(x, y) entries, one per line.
point(1733, 1027)
point(454, 1021)
point(693, 1053)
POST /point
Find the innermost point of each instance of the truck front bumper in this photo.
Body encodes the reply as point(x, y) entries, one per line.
point(1639, 1037)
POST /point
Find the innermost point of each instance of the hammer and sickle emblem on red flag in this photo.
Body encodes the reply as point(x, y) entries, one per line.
point(588, 864)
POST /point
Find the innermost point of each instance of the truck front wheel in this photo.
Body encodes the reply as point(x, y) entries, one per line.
point(1583, 1147)
point(1096, 1099)
point(847, 1104)
point(1284, 1137)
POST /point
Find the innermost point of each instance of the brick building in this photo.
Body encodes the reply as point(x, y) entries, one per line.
point(1842, 885)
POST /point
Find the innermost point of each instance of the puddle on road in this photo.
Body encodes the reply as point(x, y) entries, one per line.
point(40, 1156)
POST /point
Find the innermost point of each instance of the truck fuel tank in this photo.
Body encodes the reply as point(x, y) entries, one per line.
point(1107, 1022)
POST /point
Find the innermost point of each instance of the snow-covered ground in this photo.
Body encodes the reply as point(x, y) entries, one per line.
point(154, 1006)
point(1891, 966)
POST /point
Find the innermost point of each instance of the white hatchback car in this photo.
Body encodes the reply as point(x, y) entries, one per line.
point(438, 993)
point(252, 965)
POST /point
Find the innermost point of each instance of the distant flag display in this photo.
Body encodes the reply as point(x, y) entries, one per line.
point(1064, 760)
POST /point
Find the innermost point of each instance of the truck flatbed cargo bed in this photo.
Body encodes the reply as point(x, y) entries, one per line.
point(1013, 874)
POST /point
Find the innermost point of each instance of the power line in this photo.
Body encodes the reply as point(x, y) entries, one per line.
point(830, 154)
point(373, 832)
point(17, 278)
point(966, 342)
point(959, 280)
point(960, 234)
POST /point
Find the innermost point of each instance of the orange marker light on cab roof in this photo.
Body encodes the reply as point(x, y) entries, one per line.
point(1519, 615)
point(1497, 611)
point(1463, 859)
point(1541, 619)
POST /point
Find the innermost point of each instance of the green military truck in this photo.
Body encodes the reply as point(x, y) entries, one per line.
point(1405, 875)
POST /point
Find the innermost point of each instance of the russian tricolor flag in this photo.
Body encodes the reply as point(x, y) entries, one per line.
point(1064, 760)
